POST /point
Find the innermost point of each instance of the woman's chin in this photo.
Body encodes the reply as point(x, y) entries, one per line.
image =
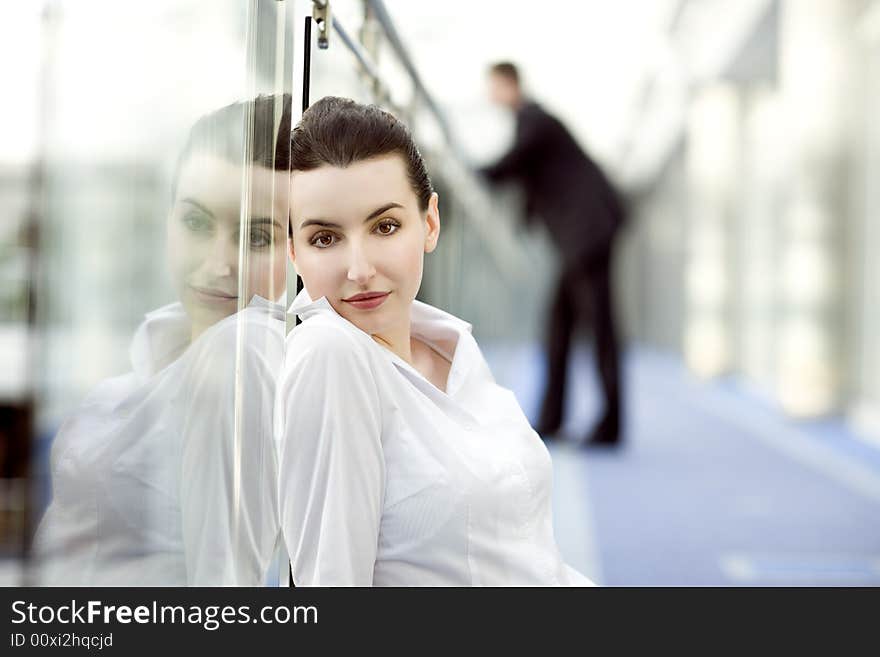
point(365, 326)
point(368, 323)
point(206, 316)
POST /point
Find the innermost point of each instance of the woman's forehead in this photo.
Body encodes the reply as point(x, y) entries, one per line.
point(220, 185)
point(348, 192)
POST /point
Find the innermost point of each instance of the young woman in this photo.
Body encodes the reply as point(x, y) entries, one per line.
point(402, 462)
point(166, 475)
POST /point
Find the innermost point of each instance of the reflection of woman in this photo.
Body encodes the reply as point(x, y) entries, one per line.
point(166, 475)
point(402, 461)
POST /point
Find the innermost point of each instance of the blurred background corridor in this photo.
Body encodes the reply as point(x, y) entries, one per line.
point(740, 135)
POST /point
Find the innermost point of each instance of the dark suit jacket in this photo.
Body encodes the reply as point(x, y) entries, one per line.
point(563, 186)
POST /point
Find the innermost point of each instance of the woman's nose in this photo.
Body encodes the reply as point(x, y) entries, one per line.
point(223, 257)
point(360, 269)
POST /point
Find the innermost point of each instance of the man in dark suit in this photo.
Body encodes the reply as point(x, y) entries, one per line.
point(570, 194)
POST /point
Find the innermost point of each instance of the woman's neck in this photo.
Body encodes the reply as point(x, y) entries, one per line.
point(399, 343)
point(422, 358)
point(197, 330)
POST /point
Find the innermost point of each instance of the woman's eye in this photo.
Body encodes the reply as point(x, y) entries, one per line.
point(260, 238)
point(197, 222)
point(387, 227)
point(323, 240)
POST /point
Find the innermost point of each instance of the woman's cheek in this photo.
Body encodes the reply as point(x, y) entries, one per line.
point(180, 260)
point(280, 274)
point(279, 268)
point(413, 261)
point(267, 275)
point(304, 270)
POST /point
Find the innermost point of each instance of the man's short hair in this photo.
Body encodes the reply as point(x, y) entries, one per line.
point(507, 70)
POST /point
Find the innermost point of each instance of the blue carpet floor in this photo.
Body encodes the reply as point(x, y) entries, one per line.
point(713, 486)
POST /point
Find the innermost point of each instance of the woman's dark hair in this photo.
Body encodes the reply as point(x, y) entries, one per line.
point(339, 132)
point(258, 129)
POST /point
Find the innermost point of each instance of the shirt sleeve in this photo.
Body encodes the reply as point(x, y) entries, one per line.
point(228, 469)
point(331, 464)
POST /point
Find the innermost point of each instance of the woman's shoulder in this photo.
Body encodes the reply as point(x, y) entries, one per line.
point(254, 324)
point(251, 340)
point(327, 339)
point(324, 357)
point(324, 329)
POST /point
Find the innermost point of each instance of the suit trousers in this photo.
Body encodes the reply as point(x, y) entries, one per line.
point(583, 292)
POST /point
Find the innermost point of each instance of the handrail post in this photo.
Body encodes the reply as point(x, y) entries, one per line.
point(323, 21)
point(369, 34)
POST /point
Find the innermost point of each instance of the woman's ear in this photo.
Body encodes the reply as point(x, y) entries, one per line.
point(432, 219)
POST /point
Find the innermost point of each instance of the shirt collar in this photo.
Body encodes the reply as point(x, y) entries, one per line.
point(446, 332)
point(436, 326)
point(166, 332)
point(160, 339)
point(305, 307)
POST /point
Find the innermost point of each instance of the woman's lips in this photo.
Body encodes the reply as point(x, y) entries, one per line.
point(213, 296)
point(368, 300)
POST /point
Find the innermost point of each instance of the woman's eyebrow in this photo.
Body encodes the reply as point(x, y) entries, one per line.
point(388, 206)
point(194, 202)
point(255, 221)
point(324, 223)
point(319, 222)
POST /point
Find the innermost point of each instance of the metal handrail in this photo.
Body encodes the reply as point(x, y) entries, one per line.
point(370, 68)
point(384, 19)
point(358, 51)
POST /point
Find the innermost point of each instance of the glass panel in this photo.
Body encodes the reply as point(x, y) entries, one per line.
point(149, 200)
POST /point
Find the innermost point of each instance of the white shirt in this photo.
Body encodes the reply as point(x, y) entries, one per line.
point(386, 480)
point(166, 476)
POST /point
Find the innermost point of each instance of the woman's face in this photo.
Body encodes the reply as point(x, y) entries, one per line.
point(359, 230)
point(203, 237)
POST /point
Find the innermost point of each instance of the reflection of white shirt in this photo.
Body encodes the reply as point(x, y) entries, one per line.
point(387, 480)
point(157, 479)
